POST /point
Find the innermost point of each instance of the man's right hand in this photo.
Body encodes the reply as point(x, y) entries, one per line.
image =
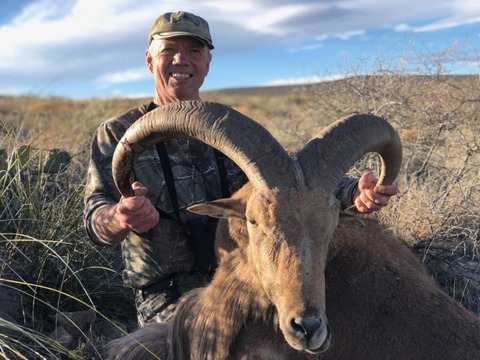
point(114, 222)
point(137, 212)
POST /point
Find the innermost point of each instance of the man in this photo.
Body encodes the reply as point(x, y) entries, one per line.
point(157, 249)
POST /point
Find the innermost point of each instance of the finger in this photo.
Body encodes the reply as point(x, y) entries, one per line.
point(369, 203)
point(137, 184)
point(140, 207)
point(147, 222)
point(361, 206)
point(370, 195)
point(132, 204)
point(139, 189)
point(364, 185)
point(381, 200)
point(137, 221)
point(388, 190)
point(367, 180)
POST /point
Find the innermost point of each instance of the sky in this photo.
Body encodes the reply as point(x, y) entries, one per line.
point(96, 48)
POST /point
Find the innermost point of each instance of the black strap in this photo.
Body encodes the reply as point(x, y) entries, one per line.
point(223, 173)
point(165, 215)
point(167, 172)
point(202, 235)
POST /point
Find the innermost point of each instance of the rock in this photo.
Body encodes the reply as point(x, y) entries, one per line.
point(56, 161)
point(109, 330)
point(61, 336)
point(74, 322)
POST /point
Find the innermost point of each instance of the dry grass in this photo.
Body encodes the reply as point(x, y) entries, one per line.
point(49, 266)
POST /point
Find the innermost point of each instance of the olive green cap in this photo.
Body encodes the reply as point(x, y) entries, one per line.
point(180, 23)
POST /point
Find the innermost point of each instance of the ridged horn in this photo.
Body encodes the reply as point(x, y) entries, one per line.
point(329, 155)
point(247, 143)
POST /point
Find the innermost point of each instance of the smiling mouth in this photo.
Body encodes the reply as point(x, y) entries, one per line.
point(181, 76)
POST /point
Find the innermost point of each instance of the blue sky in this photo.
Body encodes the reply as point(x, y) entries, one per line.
point(95, 48)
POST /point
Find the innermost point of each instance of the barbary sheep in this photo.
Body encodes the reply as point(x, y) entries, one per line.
point(334, 293)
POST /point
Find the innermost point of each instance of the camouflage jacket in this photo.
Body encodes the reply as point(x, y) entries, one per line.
point(162, 251)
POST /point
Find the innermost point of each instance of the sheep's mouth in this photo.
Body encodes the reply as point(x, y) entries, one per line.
point(311, 344)
point(325, 345)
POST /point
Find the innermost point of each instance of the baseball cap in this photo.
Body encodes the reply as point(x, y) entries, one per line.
point(180, 23)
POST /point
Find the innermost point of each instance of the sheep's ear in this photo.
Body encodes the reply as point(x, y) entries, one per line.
point(222, 209)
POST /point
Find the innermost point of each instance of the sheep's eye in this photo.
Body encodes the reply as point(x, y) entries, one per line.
point(253, 222)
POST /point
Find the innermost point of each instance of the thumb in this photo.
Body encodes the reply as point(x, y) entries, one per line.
point(367, 180)
point(139, 189)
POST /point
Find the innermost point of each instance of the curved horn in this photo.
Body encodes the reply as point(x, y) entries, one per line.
point(329, 155)
point(247, 143)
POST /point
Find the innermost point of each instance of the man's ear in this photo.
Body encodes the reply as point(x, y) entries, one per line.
point(149, 60)
point(222, 209)
point(209, 61)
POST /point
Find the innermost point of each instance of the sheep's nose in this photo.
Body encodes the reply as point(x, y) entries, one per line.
point(306, 326)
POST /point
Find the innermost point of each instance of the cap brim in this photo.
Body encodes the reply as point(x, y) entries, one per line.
point(173, 34)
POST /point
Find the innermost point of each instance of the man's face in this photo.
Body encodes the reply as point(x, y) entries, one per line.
point(179, 66)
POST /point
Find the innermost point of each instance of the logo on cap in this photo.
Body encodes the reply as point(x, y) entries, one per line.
point(183, 16)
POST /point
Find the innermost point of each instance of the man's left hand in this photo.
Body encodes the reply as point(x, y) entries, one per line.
point(369, 197)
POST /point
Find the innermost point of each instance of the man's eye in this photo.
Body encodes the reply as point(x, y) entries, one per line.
point(195, 52)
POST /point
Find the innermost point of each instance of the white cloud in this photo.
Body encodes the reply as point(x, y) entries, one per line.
point(471, 63)
point(262, 17)
point(309, 47)
point(348, 34)
point(321, 37)
point(269, 21)
point(126, 76)
point(342, 36)
point(440, 25)
point(402, 28)
point(304, 80)
point(89, 21)
point(312, 46)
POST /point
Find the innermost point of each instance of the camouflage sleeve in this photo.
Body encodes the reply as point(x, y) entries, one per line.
point(100, 190)
point(345, 191)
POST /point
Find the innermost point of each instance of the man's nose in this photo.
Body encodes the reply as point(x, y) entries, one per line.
point(180, 58)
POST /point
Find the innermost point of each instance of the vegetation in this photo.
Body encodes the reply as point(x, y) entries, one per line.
point(47, 265)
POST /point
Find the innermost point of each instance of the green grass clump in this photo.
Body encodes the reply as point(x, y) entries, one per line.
point(47, 265)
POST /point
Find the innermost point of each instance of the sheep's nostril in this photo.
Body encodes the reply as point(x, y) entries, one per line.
point(296, 327)
point(307, 327)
